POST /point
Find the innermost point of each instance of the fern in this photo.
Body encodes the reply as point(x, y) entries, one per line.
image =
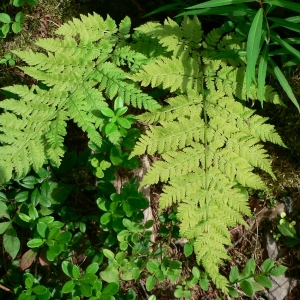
point(210, 144)
point(83, 68)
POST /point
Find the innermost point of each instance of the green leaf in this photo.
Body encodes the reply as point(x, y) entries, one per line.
point(152, 266)
point(267, 265)
point(115, 156)
point(75, 272)
point(54, 233)
point(264, 281)
point(286, 229)
point(5, 18)
point(262, 73)
point(234, 274)
point(16, 27)
point(32, 2)
point(111, 128)
point(188, 249)
point(119, 102)
point(41, 229)
point(233, 292)
point(4, 226)
point(5, 29)
point(32, 212)
point(18, 3)
point(124, 122)
point(106, 111)
point(249, 268)
point(286, 24)
point(121, 111)
point(111, 289)
point(150, 283)
point(178, 292)
point(88, 278)
point(22, 196)
point(3, 210)
point(39, 290)
point(68, 287)
point(11, 242)
point(24, 217)
point(86, 289)
point(278, 271)
point(104, 165)
point(64, 237)
point(20, 18)
point(28, 282)
point(35, 243)
point(203, 282)
point(35, 197)
point(67, 268)
point(284, 83)
point(253, 48)
point(110, 274)
point(247, 287)
point(109, 254)
point(216, 3)
point(105, 218)
point(285, 4)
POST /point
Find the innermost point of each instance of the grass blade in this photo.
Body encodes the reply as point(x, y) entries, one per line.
point(284, 83)
point(253, 48)
point(275, 37)
point(262, 73)
point(283, 3)
point(216, 3)
point(285, 24)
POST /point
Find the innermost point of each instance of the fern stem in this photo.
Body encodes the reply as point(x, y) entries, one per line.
point(205, 131)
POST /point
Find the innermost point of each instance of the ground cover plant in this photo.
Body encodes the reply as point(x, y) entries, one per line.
point(93, 73)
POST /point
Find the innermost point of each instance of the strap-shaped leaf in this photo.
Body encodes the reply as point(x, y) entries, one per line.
point(262, 73)
point(253, 48)
point(285, 23)
point(286, 4)
point(216, 3)
point(275, 37)
point(284, 83)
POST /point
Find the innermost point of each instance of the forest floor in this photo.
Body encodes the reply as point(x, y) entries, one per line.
point(41, 22)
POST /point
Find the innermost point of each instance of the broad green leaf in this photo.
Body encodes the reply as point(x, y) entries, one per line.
point(216, 3)
point(253, 48)
point(75, 272)
point(41, 229)
point(106, 111)
point(32, 212)
point(4, 226)
point(35, 197)
point(111, 289)
point(86, 289)
point(11, 242)
point(152, 266)
point(262, 73)
point(18, 3)
point(278, 271)
point(22, 196)
point(3, 210)
point(234, 274)
point(5, 29)
point(39, 290)
point(196, 272)
point(119, 102)
point(249, 268)
point(121, 111)
point(67, 268)
point(28, 282)
point(24, 217)
point(150, 283)
point(54, 233)
point(105, 218)
point(111, 128)
point(264, 281)
point(247, 287)
point(285, 4)
point(109, 254)
point(35, 243)
point(64, 237)
point(124, 122)
point(203, 282)
point(68, 287)
point(2, 197)
point(20, 18)
point(267, 265)
point(16, 27)
point(188, 249)
point(5, 18)
point(233, 292)
point(110, 274)
point(284, 83)
point(88, 278)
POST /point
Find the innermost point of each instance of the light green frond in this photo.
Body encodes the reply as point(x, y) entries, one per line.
point(179, 106)
point(170, 136)
point(92, 26)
